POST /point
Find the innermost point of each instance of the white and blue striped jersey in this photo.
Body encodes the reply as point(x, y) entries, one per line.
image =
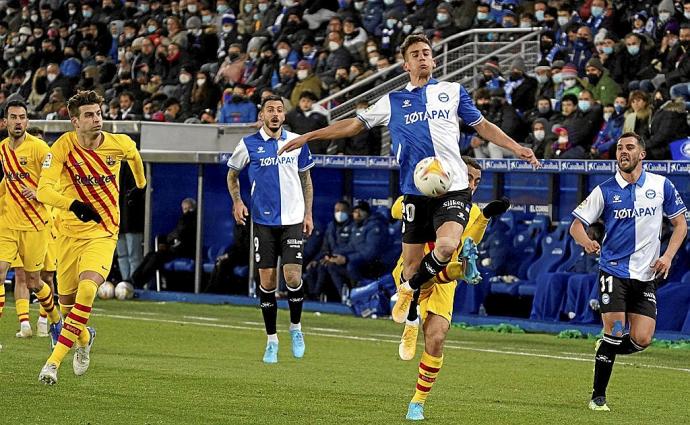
point(276, 190)
point(632, 215)
point(425, 121)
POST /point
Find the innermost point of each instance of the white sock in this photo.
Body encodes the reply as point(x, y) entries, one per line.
point(42, 319)
point(296, 326)
point(414, 323)
point(273, 338)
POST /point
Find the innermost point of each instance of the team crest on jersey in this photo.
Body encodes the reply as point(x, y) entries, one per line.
point(23, 160)
point(443, 97)
point(616, 199)
point(48, 160)
point(260, 149)
point(110, 160)
point(650, 194)
point(406, 103)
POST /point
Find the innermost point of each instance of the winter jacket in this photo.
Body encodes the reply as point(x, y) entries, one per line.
point(669, 123)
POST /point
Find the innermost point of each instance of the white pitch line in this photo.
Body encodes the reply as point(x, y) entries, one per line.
point(396, 340)
point(208, 319)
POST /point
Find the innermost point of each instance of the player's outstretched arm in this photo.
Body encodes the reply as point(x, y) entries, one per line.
point(491, 132)
point(578, 232)
point(338, 130)
point(239, 210)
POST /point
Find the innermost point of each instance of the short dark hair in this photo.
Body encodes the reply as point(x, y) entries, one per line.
point(637, 137)
point(16, 103)
point(570, 98)
point(272, 98)
point(82, 98)
point(345, 203)
point(471, 162)
point(128, 94)
point(412, 39)
point(308, 94)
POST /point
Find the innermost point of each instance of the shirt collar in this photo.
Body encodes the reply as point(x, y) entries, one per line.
point(623, 183)
point(410, 87)
point(266, 137)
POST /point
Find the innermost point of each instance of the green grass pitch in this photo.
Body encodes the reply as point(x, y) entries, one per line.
point(158, 363)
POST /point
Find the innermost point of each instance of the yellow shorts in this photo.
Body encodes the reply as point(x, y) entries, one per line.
point(80, 255)
point(436, 298)
point(28, 246)
point(50, 263)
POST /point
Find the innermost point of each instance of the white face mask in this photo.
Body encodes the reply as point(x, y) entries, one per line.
point(227, 28)
point(373, 60)
point(371, 49)
point(184, 78)
point(563, 140)
point(333, 46)
point(539, 135)
point(569, 82)
point(283, 53)
point(191, 8)
point(253, 54)
point(340, 216)
point(302, 74)
point(563, 21)
point(542, 78)
point(200, 81)
point(607, 116)
point(51, 77)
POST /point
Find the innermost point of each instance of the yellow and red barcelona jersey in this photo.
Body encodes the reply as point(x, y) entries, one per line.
point(22, 168)
point(90, 176)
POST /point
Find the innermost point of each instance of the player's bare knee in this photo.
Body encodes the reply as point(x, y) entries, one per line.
point(33, 281)
point(293, 275)
point(4, 268)
point(434, 341)
point(641, 341)
point(445, 247)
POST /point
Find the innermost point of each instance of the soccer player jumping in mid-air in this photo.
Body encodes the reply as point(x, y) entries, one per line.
point(85, 165)
point(632, 205)
point(424, 120)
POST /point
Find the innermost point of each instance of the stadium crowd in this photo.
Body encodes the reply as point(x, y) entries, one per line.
point(604, 66)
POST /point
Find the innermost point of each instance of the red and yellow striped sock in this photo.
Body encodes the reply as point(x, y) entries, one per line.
point(65, 309)
point(22, 306)
point(45, 297)
point(75, 322)
point(2, 297)
point(429, 366)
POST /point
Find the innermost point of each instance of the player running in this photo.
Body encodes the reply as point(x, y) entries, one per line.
point(437, 295)
point(632, 205)
point(281, 206)
point(25, 223)
point(86, 165)
point(424, 120)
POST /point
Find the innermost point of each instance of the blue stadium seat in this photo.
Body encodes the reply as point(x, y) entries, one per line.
point(554, 251)
point(213, 252)
point(673, 303)
point(180, 265)
point(527, 243)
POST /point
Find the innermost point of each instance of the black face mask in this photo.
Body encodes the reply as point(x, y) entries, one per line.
point(546, 45)
point(658, 103)
point(515, 76)
point(593, 79)
point(233, 56)
point(237, 99)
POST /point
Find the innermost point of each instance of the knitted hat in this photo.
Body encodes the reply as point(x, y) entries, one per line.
point(518, 64)
point(558, 64)
point(596, 63)
point(543, 65)
point(492, 66)
point(569, 70)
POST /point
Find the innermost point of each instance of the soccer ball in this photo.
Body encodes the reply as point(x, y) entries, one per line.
point(124, 291)
point(430, 177)
point(106, 291)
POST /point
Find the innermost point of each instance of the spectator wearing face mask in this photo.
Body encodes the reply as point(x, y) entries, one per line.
point(665, 15)
point(494, 108)
point(634, 63)
point(390, 31)
point(445, 24)
point(338, 57)
point(563, 145)
point(541, 110)
point(55, 81)
point(570, 83)
point(520, 88)
point(265, 67)
point(598, 16)
point(482, 19)
point(540, 139)
point(205, 94)
point(599, 82)
point(583, 48)
point(491, 77)
point(236, 107)
point(605, 143)
point(678, 76)
point(336, 238)
point(545, 87)
point(355, 37)
point(306, 81)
